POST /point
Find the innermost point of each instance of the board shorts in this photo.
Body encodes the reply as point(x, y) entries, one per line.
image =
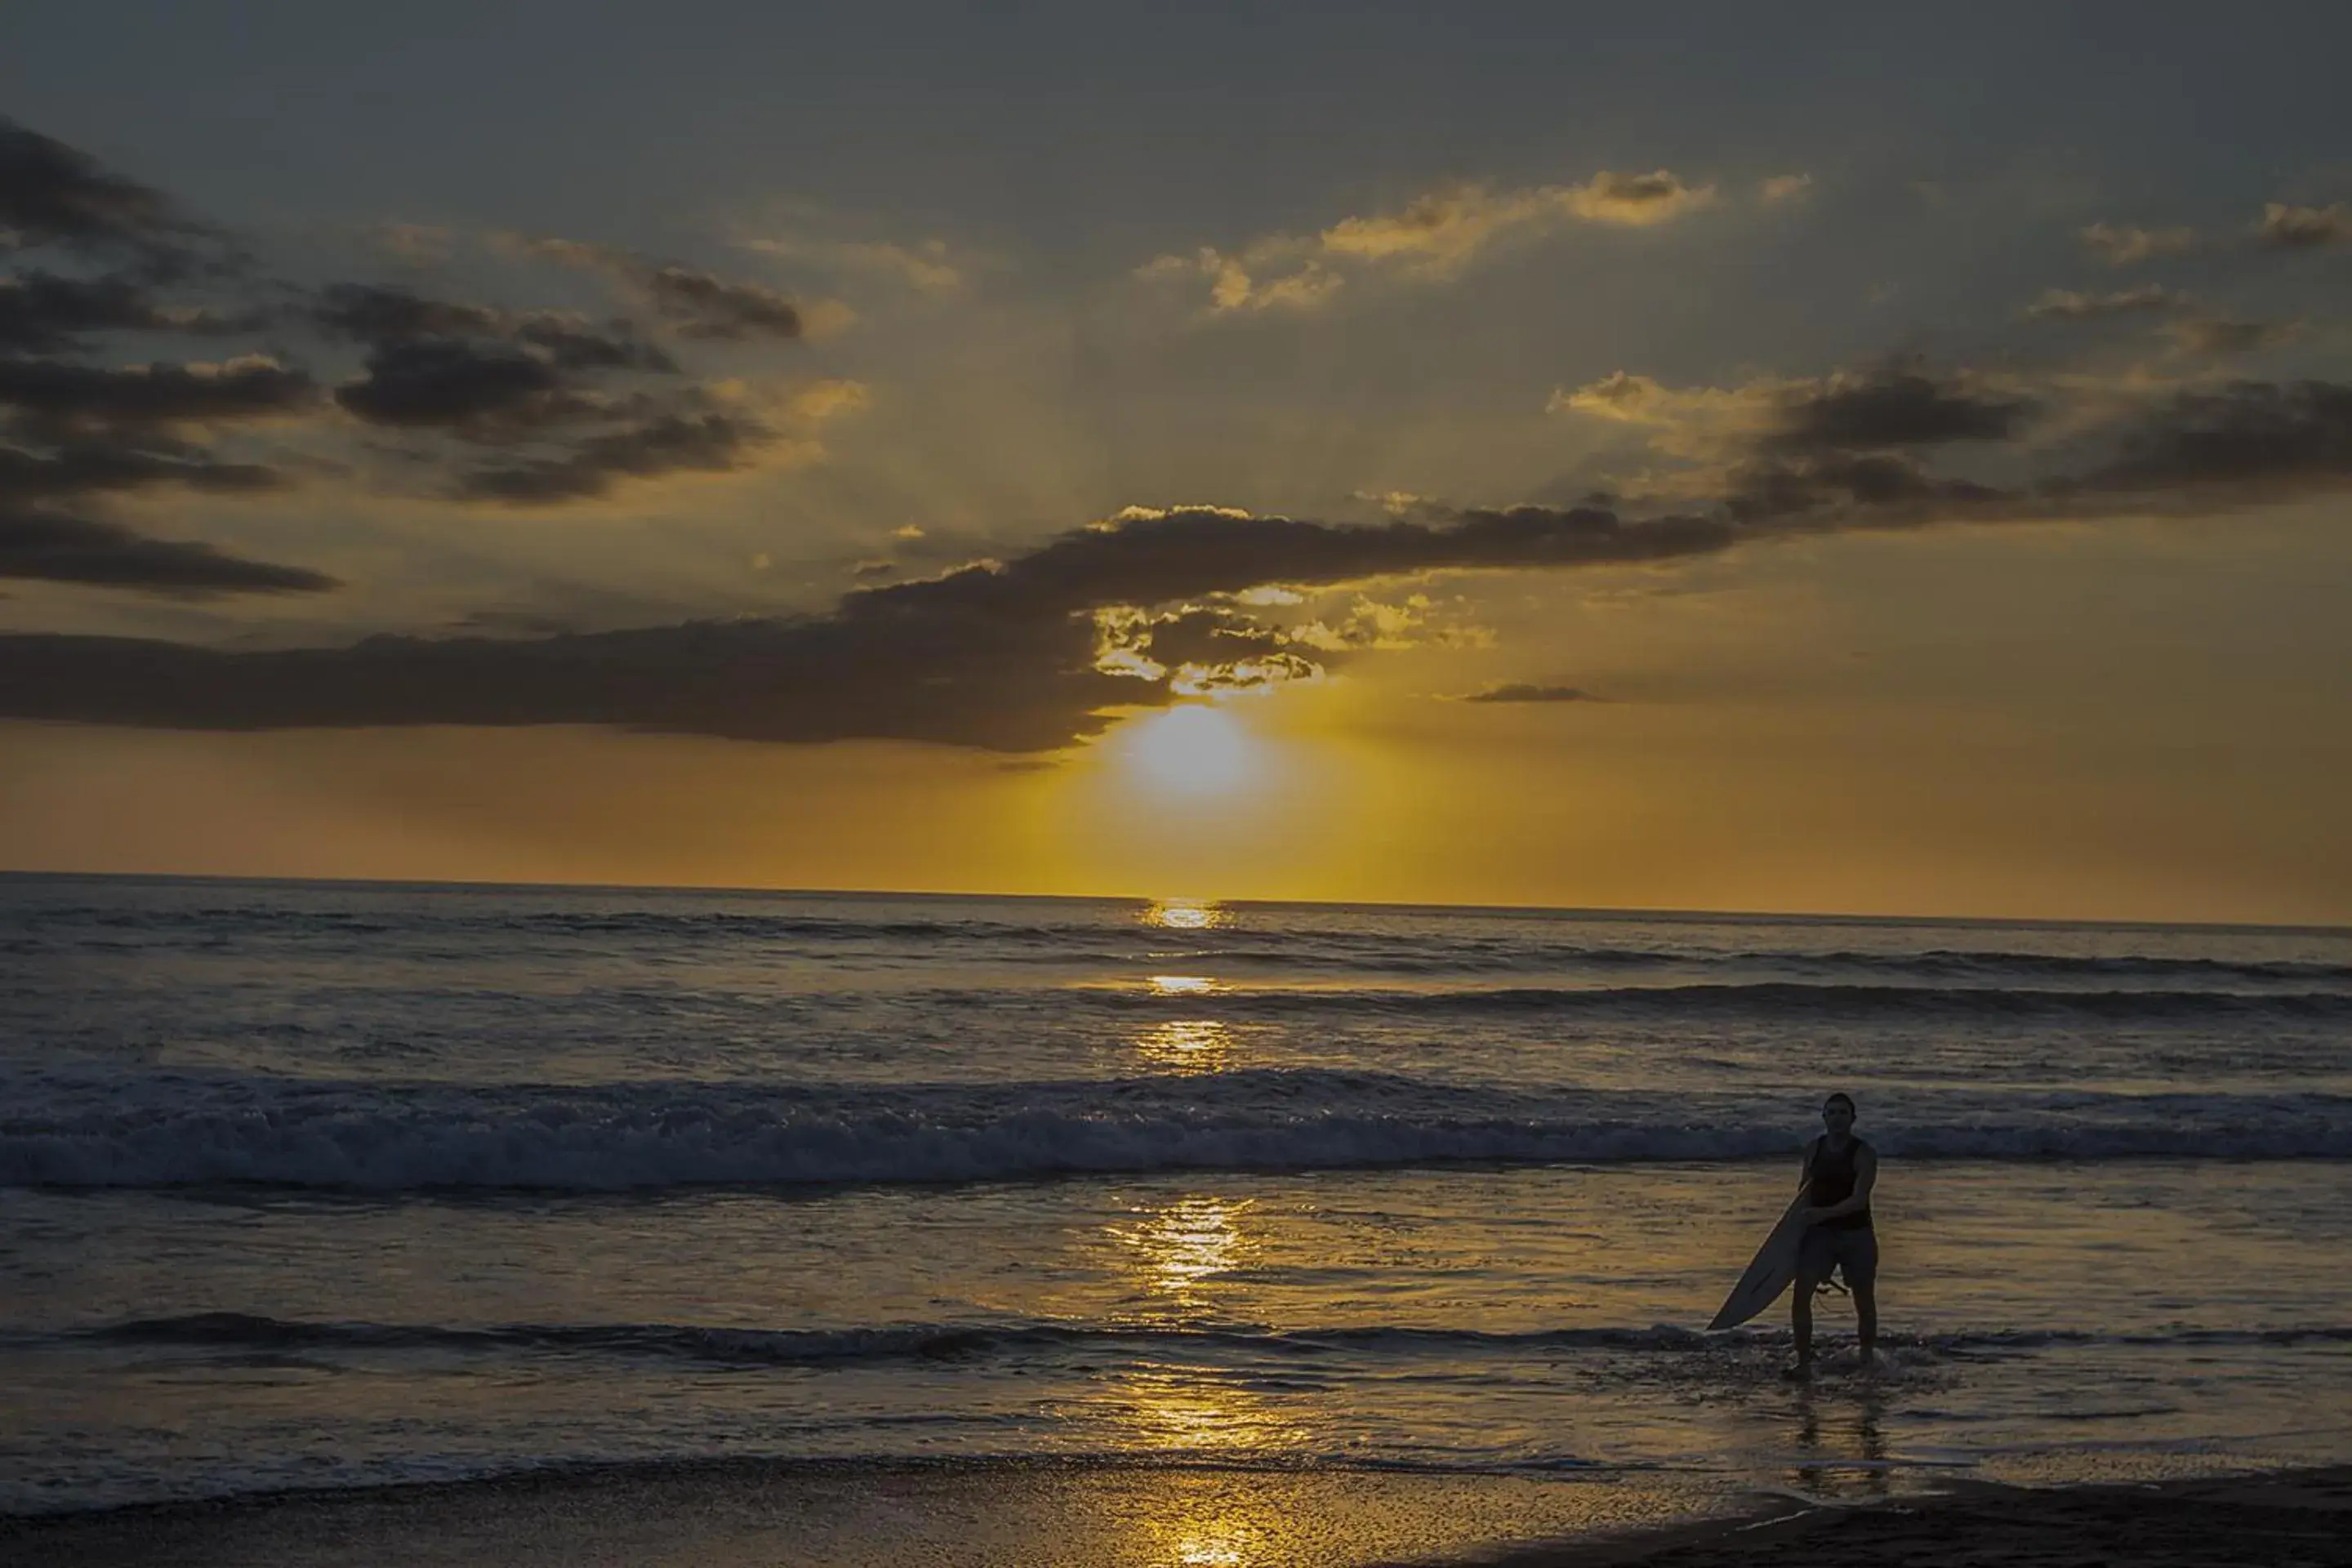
point(1853, 1253)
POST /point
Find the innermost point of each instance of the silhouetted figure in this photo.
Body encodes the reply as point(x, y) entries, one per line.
point(1840, 1170)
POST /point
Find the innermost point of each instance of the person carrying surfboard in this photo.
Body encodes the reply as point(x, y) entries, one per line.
point(1840, 1171)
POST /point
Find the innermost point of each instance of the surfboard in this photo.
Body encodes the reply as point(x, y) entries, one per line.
point(1775, 1265)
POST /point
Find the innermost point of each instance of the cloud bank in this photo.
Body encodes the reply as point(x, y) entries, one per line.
point(480, 401)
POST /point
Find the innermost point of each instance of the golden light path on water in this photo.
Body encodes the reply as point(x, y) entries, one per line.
point(1177, 1251)
point(1188, 1046)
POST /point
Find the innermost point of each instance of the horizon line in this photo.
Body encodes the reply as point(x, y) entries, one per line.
point(1629, 911)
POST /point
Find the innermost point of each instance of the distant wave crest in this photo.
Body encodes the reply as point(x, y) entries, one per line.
point(642, 1136)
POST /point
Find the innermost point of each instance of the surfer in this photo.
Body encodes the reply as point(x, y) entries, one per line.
point(1840, 1170)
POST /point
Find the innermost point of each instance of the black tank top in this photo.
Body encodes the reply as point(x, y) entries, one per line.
point(1831, 1181)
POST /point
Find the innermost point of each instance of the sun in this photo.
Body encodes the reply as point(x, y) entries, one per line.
point(1197, 750)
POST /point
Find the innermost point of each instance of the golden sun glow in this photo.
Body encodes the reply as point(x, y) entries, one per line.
point(1187, 914)
point(1195, 750)
point(1180, 1245)
point(1181, 984)
point(1187, 1045)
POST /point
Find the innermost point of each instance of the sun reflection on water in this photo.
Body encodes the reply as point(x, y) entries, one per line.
point(1182, 986)
point(1188, 1046)
point(1187, 914)
point(1179, 1247)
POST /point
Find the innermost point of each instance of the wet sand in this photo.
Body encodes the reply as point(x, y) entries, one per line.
point(2298, 1518)
point(730, 1515)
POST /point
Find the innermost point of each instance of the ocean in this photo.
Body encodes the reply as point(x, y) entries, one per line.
point(314, 1185)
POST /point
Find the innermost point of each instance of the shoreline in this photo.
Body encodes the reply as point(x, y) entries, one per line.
point(2299, 1518)
point(726, 1512)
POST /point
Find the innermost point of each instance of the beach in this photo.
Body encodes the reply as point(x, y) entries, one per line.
point(366, 1223)
point(723, 1517)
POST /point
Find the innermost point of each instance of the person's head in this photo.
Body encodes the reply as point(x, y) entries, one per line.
point(1837, 1112)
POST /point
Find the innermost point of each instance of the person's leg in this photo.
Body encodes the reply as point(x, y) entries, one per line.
point(1801, 1314)
point(1814, 1261)
point(1860, 1265)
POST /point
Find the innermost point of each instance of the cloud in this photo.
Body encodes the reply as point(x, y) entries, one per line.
point(1016, 657)
point(1520, 691)
point(2071, 305)
point(486, 373)
point(48, 393)
point(1687, 422)
point(703, 305)
point(928, 267)
point(2124, 246)
point(709, 441)
point(2286, 227)
point(1895, 448)
point(38, 543)
point(535, 381)
point(51, 194)
point(1636, 200)
point(493, 394)
point(44, 312)
point(1033, 653)
point(1430, 238)
point(2212, 335)
point(1902, 409)
point(1784, 187)
point(92, 469)
point(1441, 231)
point(573, 406)
point(694, 304)
point(2247, 441)
point(1896, 407)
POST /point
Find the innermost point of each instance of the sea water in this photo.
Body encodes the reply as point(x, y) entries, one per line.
point(307, 1185)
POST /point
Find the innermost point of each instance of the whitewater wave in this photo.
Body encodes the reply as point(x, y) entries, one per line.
point(638, 1136)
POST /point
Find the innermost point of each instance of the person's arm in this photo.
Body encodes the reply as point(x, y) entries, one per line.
point(1865, 1175)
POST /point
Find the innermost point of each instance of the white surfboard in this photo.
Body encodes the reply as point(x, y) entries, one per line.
point(1768, 1274)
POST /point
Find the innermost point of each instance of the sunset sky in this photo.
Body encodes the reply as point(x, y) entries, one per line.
point(1845, 458)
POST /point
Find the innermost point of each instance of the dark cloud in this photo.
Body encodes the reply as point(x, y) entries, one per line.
point(702, 306)
point(677, 442)
point(1902, 409)
point(1007, 687)
point(695, 304)
point(492, 392)
point(42, 312)
point(1520, 691)
point(477, 372)
point(1191, 554)
point(52, 394)
point(370, 313)
point(2249, 441)
point(1208, 637)
point(999, 656)
point(1886, 485)
point(99, 468)
point(2289, 227)
point(60, 548)
point(387, 317)
point(51, 194)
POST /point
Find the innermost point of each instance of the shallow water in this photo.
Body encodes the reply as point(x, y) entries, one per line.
point(306, 1186)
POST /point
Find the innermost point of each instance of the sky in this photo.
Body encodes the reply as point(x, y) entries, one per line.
point(1841, 458)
